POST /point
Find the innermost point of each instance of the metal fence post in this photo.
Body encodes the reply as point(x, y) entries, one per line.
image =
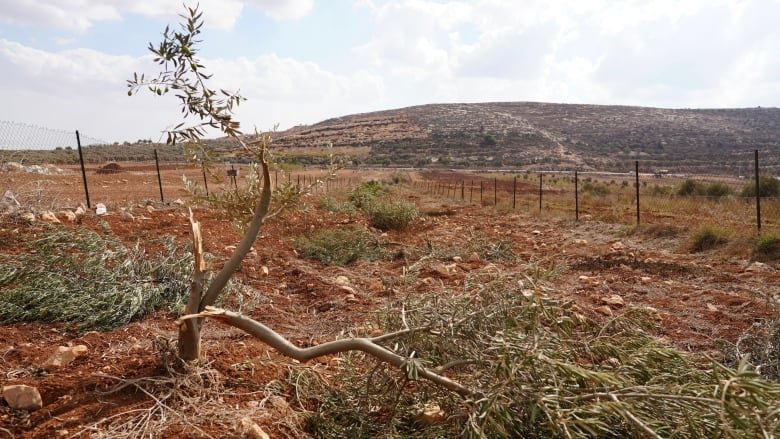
point(576, 197)
point(495, 191)
point(636, 168)
point(758, 196)
point(205, 181)
point(159, 179)
point(514, 193)
point(540, 192)
point(481, 190)
point(83, 172)
point(462, 190)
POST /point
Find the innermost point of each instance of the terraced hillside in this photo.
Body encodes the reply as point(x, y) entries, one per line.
point(548, 136)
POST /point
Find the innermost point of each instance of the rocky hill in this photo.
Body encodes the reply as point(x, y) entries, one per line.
point(530, 135)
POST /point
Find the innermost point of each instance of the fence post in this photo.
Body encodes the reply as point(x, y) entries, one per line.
point(540, 191)
point(276, 179)
point(471, 191)
point(576, 197)
point(495, 191)
point(481, 190)
point(758, 196)
point(159, 179)
point(205, 181)
point(462, 190)
point(514, 193)
point(636, 170)
point(83, 172)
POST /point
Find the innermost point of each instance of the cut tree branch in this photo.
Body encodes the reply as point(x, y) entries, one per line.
point(285, 347)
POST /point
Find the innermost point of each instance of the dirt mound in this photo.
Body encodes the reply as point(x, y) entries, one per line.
point(110, 168)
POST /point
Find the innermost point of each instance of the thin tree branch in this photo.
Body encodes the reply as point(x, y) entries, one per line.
point(285, 347)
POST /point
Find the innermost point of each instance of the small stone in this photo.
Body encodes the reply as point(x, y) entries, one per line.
point(605, 310)
point(584, 278)
point(178, 202)
point(431, 414)
point(712, 308)
point(64, 355)
point(442, 271)
point(80, 211)
point(756, 267)
point(474, 257)
point(536, 232)
point(342, 280)
point(100, 209)
point(252, 430)
point(230, 248)
point(68, 215)
point(581, 241)
point(150, 208)
point(22, 397)
point(28, 217)
point(457, 259)
point(10, 199)
point(646, 279)
point(49, 217)
point(348, 289)
point(617, 246)
point(264, 269)
point(127, 216)
point(613, 300)
point(351, 298)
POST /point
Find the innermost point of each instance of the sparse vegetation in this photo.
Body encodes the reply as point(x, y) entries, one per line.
point(595, 188)
point(391, 214)
point(768, 247)
point(709, 237)
point(341, 246)
point(364, 194)
point(769, 187)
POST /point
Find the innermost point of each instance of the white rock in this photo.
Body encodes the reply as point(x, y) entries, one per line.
point(431, 414)
point(457, 259)
point(474, 257)
point(646, 279)
point(264, 269)
point(342, 280)
point(605, 310)
point(178, 201)
point(22, 397)
point(80, 211)
point(252, 430)
point(712, 308)
point(613, 300)
point(68, 215)
point(150, 208)
point(64, 355)
point(100, 209)
point(49, 217)
point(28, 216)
point(127, 216)
point(10, 199)
point(536, 232)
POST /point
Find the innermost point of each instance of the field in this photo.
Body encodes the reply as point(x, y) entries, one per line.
point(700, 302)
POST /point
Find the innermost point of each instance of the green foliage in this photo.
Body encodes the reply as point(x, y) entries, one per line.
point(363, 195)
point(709, 237)
point(488, 140)
point(541, 370)
point(768, 246)
point(768, 185)
point(330, 204)
point(660, 190)
point(691, 187)
point(341, 246)
point(91, 281)
point(391, 214)
point(595, 188)
point(718, 190)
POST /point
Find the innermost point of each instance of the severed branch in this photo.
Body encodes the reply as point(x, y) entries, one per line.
point(285, 347)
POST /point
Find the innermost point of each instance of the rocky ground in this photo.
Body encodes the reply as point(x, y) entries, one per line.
point(703, 302)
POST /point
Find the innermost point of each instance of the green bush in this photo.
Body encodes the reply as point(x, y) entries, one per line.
point(768, 246)
point(691, 187)
point(364, 194)
point(595, 188)
point(391, 215)
point(342, 246)
point(717, 190)
point(769, 186)
point(709, 237)
point(330, 204)
point(660, 190)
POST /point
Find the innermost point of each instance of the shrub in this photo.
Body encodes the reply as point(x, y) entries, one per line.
point(660, 190)
point(718, 190)
point(768, 247)
point(342, 246)
point(708, 237)
point(364, 194)
point(330, 204)
point(595, 188)
point(691, 187)
point(769, 186)
point(391, 215)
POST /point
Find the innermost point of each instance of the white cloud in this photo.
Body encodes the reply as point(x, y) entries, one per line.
point(85, 89)
point(80, 15)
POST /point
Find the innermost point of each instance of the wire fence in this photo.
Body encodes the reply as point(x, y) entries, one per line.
point(647, 192)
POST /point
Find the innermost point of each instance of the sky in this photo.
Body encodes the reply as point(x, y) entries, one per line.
point(64, 63)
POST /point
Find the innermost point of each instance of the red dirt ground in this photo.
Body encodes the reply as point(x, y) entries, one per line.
point(700, 301)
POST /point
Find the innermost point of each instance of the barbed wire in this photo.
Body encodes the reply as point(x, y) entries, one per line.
point(22, 136)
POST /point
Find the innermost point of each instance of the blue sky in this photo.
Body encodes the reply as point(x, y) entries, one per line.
point(63, 63)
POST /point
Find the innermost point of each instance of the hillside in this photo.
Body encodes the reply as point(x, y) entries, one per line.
point(550, 136)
